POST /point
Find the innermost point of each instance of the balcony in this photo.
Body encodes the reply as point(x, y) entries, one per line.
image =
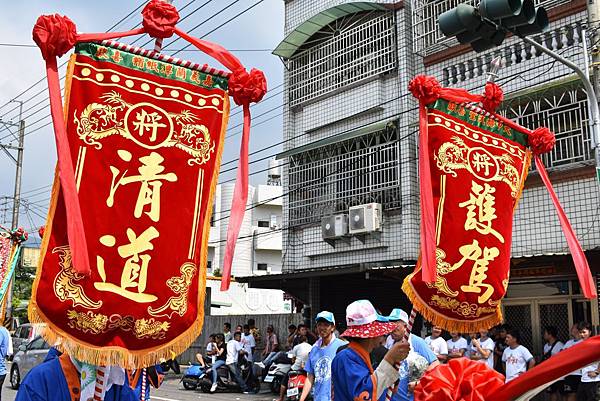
point(267, 239)
point(564, 110)
point(427, 37)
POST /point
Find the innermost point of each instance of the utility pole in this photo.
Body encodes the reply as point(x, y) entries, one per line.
point(593, 9)
point(20, 137)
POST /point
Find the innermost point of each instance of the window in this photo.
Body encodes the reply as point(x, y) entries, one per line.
point(334, 177)
point(348, 50)
point(261, 267)
point(212, 215)
point(263, 223)
point(38, 343)
point(564, 110)
point(209, 265)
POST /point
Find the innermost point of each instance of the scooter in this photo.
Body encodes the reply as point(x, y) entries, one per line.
point(277, 372)
point(226, 382)
point(295, 385)
point(192, 377)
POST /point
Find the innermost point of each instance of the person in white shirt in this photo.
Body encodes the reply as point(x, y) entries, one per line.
point(590, 374)
point(437, 344)
point(234, 349)
point(299, 356)
point(249, 343)
point(517, 358)
point(571, 381)
point(211, 349)
point(482, 349)
point(551, 348)
point(457, 345)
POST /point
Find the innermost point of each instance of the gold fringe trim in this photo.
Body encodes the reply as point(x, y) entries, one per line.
point(129, 359)
point(438, 319)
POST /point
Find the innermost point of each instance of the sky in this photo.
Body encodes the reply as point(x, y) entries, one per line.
point(259, 28)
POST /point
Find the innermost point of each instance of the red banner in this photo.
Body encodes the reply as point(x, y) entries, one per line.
point(145, 136)
point(478, 166)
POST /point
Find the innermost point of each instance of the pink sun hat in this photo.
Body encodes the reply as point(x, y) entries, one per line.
point(364, 322)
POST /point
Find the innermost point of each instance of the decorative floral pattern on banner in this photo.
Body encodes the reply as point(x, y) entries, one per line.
point(478, 167)
point(145, 138)
point(6, 253)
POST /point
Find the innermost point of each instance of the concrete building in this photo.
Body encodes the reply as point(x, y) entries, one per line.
point(350, 133)
point(257, 253)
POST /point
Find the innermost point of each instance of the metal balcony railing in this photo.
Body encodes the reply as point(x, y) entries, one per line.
point(565, 112)
point(347, 56)
point(427, 38)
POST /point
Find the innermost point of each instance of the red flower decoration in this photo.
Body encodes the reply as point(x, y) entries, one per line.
point(41, 231)
point(460, 379)
point(541, 140)
point(159, 19)
point(492, 97)
point(426, 89)
point(19, 235)
point(54, 34)
point(246, 88)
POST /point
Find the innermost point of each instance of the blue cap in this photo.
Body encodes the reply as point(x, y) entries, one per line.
point(398, 315)
point(325, 315)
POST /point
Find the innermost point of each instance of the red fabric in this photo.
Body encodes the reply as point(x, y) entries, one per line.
point(370, 330)
point(55, 35)
point(245, 88)
point(461, 379)
point(541, 141)
point(41, 231)
point(474, 176)
point(159, 19)
point(561, 364)
point(74, 227)
point(492, 97)
point(586, 281)
point(142, 138)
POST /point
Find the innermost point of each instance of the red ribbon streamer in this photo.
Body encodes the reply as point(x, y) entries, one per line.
point(586, 281)
point(561, 364)
point(76, 233)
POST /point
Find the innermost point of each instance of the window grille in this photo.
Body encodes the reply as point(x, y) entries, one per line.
point(346, 51)
point(427, 37)
point(562, 109)
point(334, 177)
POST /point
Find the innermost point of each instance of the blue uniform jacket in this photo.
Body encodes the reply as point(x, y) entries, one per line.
point(352, 375)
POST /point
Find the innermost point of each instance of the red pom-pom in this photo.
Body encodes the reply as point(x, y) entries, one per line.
point(159, 19)
point(41, 231)
point(492, 97)
point(425, 88)
point(246, 88)
point(460, 379)
point(541, 140)
point(54, 34)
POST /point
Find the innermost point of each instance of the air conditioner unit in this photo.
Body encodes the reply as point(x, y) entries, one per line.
point(335, 226)
point(365, 218)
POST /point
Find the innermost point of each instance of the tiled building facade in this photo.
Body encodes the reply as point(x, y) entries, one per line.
point(350, 138)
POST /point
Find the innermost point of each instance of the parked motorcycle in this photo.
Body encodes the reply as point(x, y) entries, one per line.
point(192, 377)
point(277, 372)
point(226, 382)
point(295, 385)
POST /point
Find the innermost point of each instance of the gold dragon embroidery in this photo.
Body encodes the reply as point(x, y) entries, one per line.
point(65, 287)
point(150, 328)
point(180, 285)
point(87, 322)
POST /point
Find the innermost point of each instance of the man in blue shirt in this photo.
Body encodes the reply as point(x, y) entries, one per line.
point(4, 345)
point(418, 350)
point(353, 375)
point(318, 365)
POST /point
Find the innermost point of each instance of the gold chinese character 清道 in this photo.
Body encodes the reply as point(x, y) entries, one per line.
point(134, 276)
point(150, 177)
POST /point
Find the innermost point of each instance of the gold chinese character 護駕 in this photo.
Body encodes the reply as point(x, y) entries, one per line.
point(150, 177)
point(135, 270)
point(481, 259)
point(481, 211)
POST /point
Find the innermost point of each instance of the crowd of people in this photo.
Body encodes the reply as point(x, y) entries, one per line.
point(370, 355)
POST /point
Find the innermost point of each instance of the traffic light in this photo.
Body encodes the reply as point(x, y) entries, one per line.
point(486, 27)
